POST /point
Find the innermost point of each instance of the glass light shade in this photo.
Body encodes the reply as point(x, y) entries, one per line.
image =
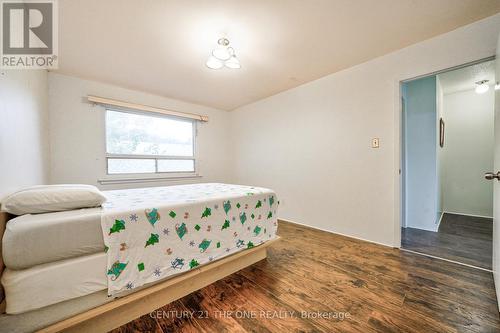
point(482, 88)
point(221, 53)
point(233, 63)
point(214, 63)
point(497, 86)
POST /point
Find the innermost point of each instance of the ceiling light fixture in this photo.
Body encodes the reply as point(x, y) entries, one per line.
point(482, 86)
point(223, 55)
point(233, 63)
point(214, 63)
point(497, 86)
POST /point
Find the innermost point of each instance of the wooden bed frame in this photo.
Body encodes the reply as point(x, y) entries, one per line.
point(122, 310)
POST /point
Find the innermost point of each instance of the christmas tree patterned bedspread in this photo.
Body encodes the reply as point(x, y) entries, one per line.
point(154, 233)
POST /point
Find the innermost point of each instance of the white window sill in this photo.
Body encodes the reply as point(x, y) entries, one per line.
point(142, 179)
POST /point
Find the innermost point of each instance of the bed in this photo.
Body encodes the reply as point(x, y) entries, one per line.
point(170, 241)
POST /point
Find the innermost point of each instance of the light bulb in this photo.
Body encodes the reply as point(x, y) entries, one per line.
point(233, 63)
point(497, 86)
point(482, 88)
point(214, 63)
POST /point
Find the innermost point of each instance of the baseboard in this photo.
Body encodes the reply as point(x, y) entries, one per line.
point(471, 215)
point(425, 229)
point(440, 219)
point(335, 233)
point(452, 213)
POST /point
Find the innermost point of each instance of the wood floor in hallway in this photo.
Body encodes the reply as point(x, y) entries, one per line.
point(466, 239)
point(310, 272)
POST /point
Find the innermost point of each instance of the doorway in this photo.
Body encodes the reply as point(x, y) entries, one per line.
point(447, 147)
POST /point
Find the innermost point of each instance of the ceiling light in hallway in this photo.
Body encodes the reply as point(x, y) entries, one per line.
point(482, 86)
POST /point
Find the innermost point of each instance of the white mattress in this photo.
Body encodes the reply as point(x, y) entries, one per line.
point(33, 321)
point(52, 283)
point(35, 239)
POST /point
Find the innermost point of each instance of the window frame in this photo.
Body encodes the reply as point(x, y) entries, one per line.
point(156, 158)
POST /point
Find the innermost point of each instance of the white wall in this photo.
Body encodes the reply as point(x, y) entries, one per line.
point(24, 149)
point(77, 133)
point(421, 154)
point(468, 152)
point(312, 143)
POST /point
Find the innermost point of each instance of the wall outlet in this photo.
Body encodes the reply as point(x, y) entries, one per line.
point(375, 142)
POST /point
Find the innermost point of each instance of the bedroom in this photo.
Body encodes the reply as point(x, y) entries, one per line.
point(136, 105)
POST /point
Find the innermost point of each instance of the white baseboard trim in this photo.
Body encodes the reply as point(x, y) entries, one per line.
point(440, 219)
point(425, 229)
point(472, 215)
point(336, 233)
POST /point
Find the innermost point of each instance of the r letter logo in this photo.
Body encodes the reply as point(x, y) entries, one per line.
point(29, 34)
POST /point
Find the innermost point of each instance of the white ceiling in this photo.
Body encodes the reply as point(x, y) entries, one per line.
point(161, 46)
point(465, 78)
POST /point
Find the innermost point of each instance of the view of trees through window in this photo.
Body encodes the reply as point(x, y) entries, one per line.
point(136, 134)
point(156, 140)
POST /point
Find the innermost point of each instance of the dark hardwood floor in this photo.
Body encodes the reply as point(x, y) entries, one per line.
point(376, 288)
point(465, 239)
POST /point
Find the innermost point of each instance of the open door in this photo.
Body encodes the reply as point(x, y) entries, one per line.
point(496, 187)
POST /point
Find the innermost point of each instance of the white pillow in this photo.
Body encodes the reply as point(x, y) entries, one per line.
point(52, 198)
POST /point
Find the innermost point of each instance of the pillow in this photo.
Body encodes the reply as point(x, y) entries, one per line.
point(52, 198)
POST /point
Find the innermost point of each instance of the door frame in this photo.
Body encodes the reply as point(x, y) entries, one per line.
point(399, 209)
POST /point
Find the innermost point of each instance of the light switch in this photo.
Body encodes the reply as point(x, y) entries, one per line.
point(375, 142)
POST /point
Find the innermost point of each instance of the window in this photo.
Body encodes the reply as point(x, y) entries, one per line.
point(148, 143)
